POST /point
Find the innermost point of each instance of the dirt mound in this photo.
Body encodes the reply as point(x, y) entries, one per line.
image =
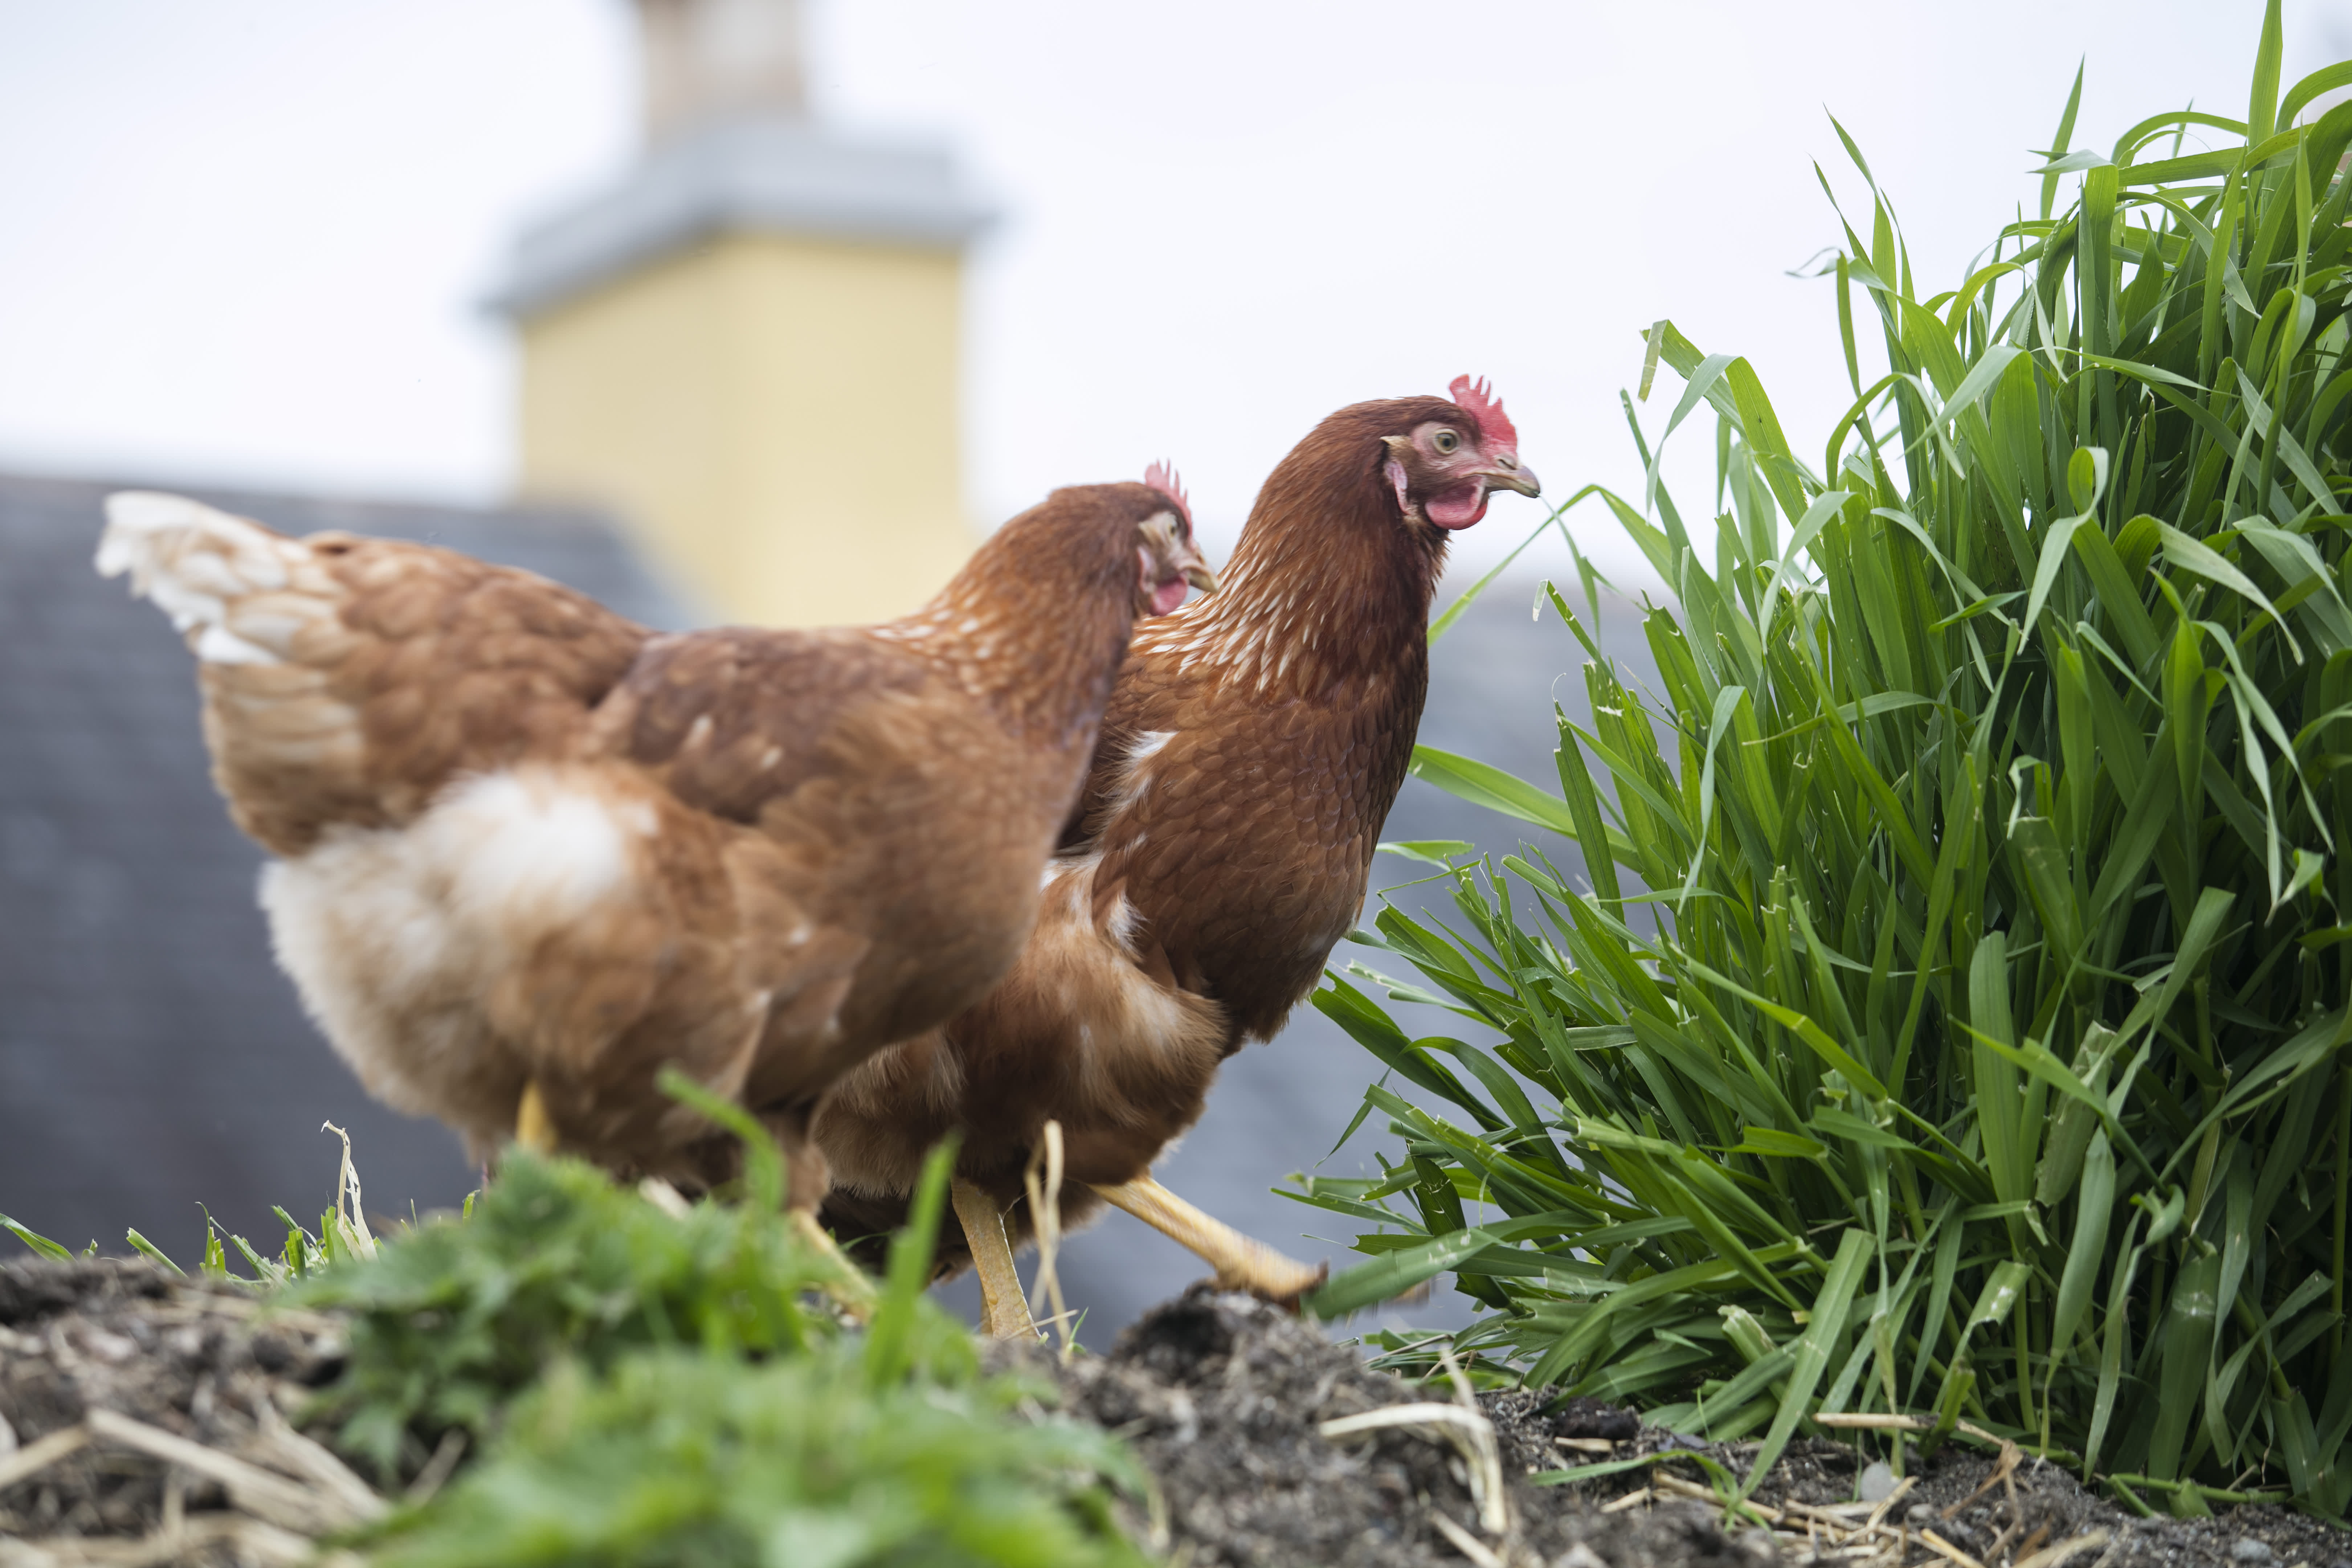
point(145, 1418)
point(1992, 1510)
point(1226, 1398)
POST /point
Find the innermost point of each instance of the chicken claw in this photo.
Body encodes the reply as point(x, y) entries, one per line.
point(1241, 1262)
point(1004, 1305)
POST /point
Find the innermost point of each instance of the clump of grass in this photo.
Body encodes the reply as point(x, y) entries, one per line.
point(452, 1318)
point(342, 1235)
point(456, 1317)
point(1955, 1023)
point(685, 1459)
point(758, 1431)
point(651, 1382)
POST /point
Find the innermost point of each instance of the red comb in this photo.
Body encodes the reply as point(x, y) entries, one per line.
point(1160, 477)
point(1480, 403)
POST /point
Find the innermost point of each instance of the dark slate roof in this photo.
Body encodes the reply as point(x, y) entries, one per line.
point(151, 1056)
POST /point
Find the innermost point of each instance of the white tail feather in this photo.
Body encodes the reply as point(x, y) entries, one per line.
point(194, 562)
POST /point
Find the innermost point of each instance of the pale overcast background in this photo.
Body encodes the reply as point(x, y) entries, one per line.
point(246, 240)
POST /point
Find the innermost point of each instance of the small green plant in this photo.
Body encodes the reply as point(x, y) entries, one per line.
point(680, 1458)
point(1955, 1023)
point(342, 1234)
point(781, 1438)
point(453, 1318)
point(647, 1382)
point(302, 1252)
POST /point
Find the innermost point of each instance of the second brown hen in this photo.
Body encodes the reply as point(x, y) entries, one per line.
point(1248, 759)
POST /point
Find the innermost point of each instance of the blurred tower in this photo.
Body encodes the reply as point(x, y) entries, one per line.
point(748, 346)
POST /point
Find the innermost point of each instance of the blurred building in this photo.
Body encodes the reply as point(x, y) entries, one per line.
point(748, 347)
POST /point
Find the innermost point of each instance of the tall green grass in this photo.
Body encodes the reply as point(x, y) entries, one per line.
point(1955, 1021)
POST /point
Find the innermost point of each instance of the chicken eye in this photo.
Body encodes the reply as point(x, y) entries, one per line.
point(1446, 440)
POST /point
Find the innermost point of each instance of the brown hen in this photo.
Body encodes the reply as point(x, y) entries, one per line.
point(528, 852)
point(1248, 757)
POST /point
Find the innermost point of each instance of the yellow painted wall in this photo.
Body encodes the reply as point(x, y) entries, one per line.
point(774, 416)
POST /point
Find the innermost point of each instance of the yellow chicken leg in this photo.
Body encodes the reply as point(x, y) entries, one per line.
point(1003, 1306)
point(534, 1128)
point(1242, 1263)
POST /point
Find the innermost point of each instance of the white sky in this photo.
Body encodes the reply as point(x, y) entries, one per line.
point(244, 238)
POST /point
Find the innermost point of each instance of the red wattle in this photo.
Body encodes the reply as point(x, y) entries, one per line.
point(1168, 595)
point(1457, 508)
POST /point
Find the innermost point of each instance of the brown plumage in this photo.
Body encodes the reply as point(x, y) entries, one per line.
point(1248, 759)
point(522, 841)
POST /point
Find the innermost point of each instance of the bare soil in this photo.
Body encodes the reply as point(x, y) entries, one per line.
point(106, 1367)
point(1222, 1397)
point(146, 1418)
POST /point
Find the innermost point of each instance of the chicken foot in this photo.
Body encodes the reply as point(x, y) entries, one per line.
point(1242, 1263)
point(1004, 1305)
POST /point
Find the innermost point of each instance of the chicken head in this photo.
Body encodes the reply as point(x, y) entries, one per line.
point(1167, 560)
point(1444, 469)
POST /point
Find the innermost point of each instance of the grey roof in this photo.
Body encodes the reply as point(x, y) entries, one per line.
point(765, 175)
point(151, 1056)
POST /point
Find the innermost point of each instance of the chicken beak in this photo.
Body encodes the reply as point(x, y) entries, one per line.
point(1507, 473)
point(1168, 557)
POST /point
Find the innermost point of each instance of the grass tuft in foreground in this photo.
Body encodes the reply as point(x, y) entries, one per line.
point(678, 1458)
point(1955, 1021)
point(688, 1402)
point(633, 1379)
point(453, 1318)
